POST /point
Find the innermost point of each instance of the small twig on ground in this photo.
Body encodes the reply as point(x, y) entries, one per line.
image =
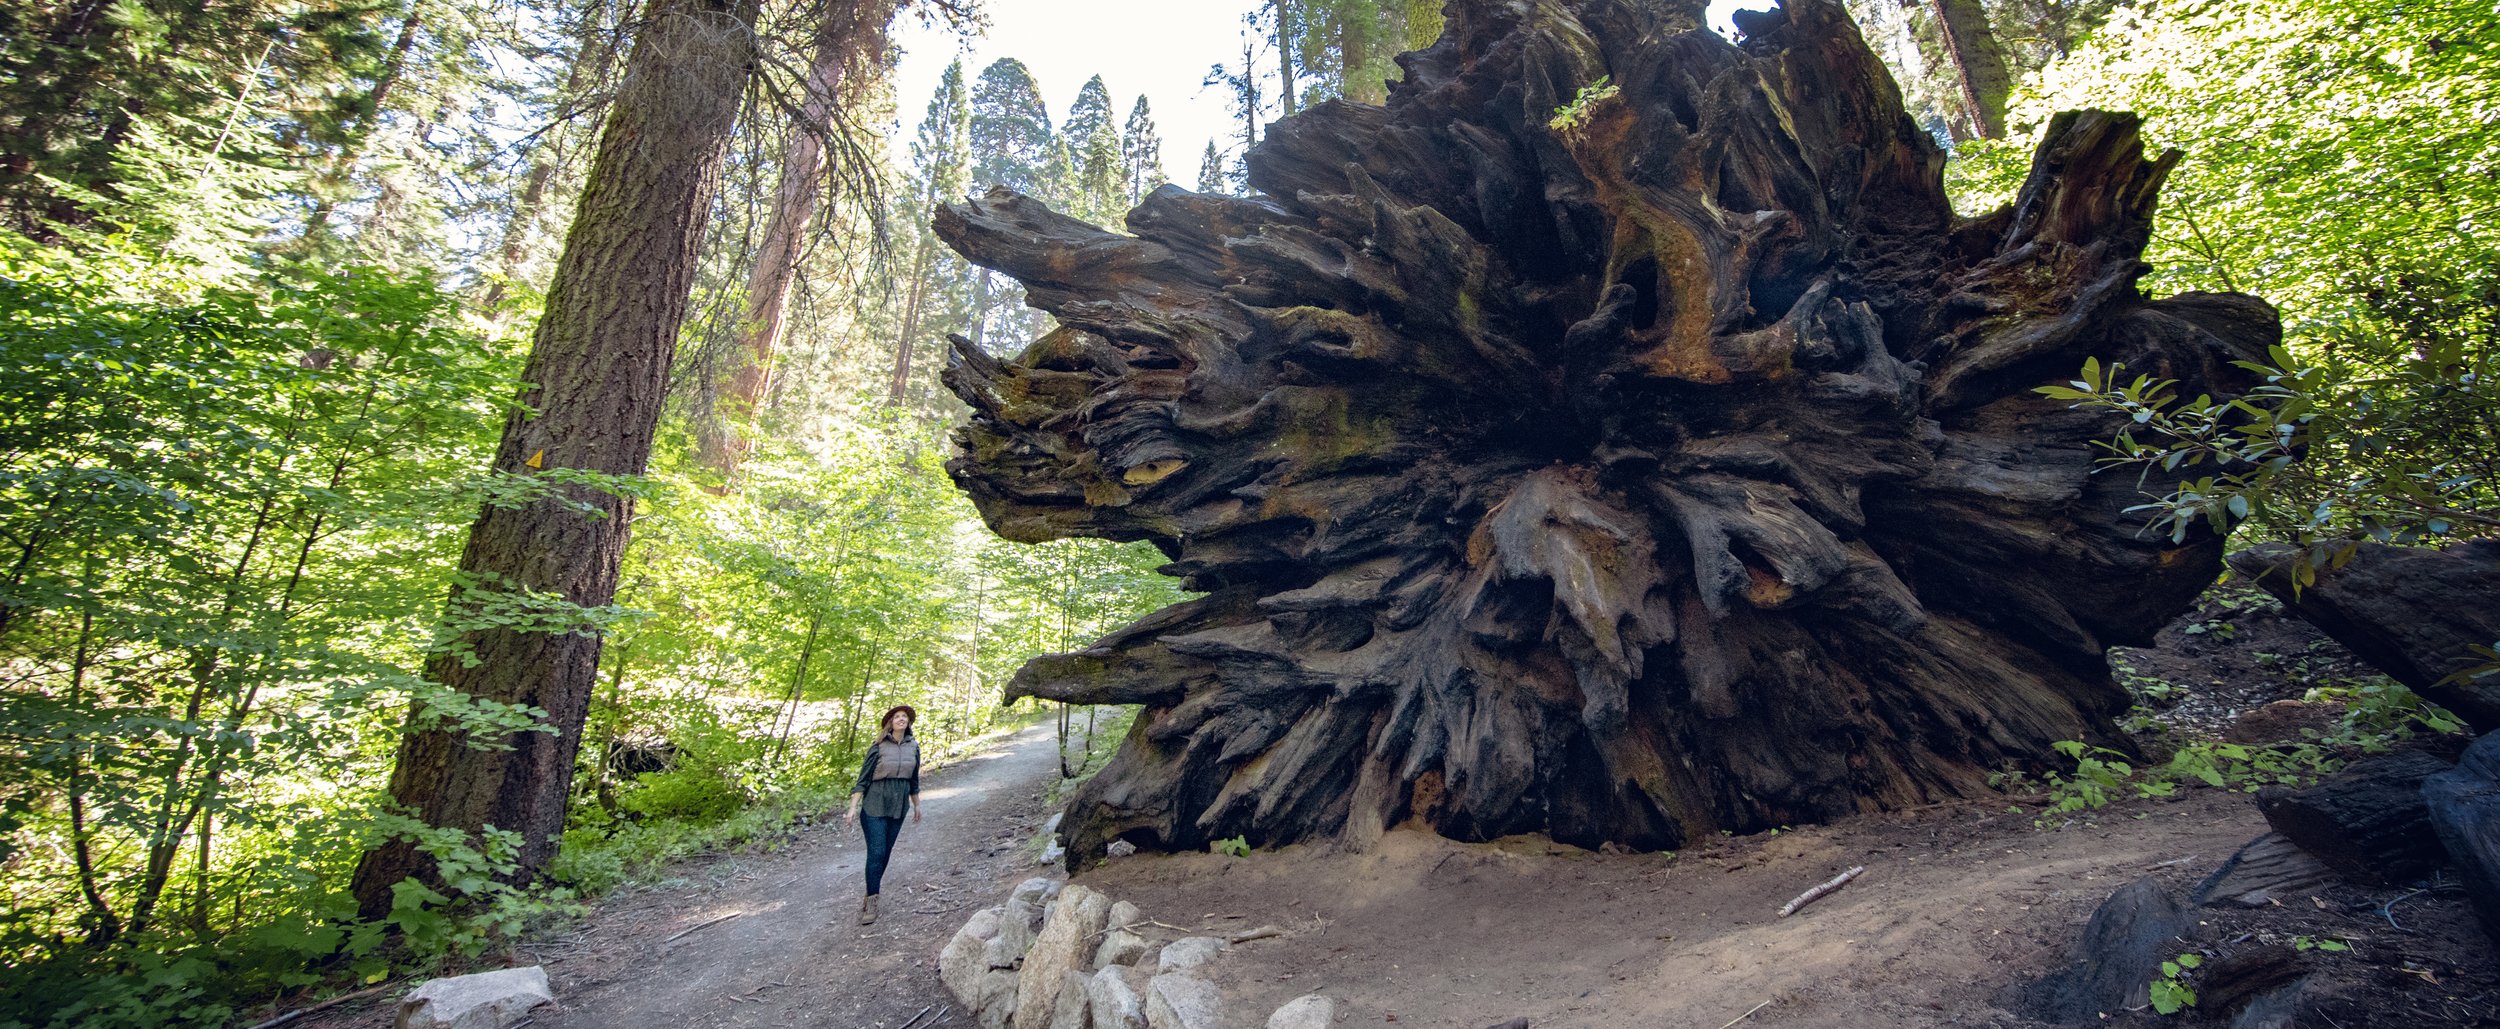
point(1817, 893)
point(681, 933)
point(326, 1005)
point(2171, 863)
point(1748, 1011)
point(1260, 933)
point(915, 1019)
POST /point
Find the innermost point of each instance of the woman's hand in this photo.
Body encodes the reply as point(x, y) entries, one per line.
point(915, 812)
point(852, 815)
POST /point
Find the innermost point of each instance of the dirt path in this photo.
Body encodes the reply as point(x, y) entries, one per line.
point(794, 955)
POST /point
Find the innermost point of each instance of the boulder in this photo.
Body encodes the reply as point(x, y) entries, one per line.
point(1060, 948)
point(2262, 871)
point(487, 1000)
point(1119, 947)
point(2367, 821)
point(993, 1001)
point(1125, 913)
point(1176, 1000)
point(1037, 891)
point(2121, 948)
point(2464, 805)
point(2412, 612)
point(1188, 952)
point(1112, 1001)
point(1071, 1009)
point(960, 963)
point(1309, 1011)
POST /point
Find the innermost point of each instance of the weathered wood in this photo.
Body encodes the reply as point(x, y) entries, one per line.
point(2367, 821)
point(2411, 612)
point(1667, 466)
point(2464, 805)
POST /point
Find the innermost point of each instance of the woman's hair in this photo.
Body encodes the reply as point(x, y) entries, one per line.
point(886, 721)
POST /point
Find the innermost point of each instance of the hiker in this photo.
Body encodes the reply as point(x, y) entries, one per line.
point(889, 778)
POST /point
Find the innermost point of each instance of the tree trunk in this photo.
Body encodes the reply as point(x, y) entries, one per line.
point(599, 371)
point(334, 179)
point(849, 34)
point(910, 334)
point(1978, 64)
point(1284, 51)
point(1666, 468)
point(592, 56)
point(1354, 53)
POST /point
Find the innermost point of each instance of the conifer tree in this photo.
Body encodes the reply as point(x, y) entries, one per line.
point(942, 172)
point(1211, 176)
point(598, 370)
point(1141, 152)
point(1012, 146)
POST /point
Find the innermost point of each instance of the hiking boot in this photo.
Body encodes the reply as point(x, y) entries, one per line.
point(868, 910)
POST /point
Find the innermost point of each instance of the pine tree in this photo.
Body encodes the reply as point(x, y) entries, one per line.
point(941, 168)
point(1097, 190)
point(1012, 146)
point(1141, 153)
point(1011, 133)
point(598, 370)
point(849, 41)
point(1090, 113)
point(1211, 177)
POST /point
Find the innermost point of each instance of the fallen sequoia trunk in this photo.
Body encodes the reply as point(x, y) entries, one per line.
point(2412, 612)
point(1624, 467)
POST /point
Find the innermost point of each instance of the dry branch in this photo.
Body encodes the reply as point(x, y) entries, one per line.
point(1821, 891)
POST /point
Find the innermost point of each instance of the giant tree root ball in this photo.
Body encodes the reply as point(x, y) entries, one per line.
point(1616, 436)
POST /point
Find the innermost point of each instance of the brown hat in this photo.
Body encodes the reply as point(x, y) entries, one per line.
point(887, 718)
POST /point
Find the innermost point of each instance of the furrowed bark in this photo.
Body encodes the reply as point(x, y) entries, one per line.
point(1623, 467)
point(598, 370)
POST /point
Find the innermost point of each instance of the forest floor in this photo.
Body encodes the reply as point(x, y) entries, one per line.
point(1961, 908)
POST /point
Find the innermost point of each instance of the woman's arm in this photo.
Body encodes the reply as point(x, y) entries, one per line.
point(915, 783)
point(867, 767)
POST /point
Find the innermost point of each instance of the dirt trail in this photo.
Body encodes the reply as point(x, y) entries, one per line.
point(794, 954)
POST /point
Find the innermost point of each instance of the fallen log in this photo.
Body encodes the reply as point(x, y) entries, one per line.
point(1616, 436)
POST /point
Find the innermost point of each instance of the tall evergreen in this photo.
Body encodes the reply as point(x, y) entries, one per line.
point(1141, 152)
point(597, 370)
point(937, 296)
point(1211, 176)
point(1012, 146)
point(1011, 133)
point(1090, 113)
point(79, 80)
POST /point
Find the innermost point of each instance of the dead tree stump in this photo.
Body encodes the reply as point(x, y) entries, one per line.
point(1621, 464)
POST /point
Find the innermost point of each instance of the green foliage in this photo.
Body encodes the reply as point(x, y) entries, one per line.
point(2339, 164)
point(1568, 118)
point(1238, 846)
point(2378, 713)
point(2331, 946)
point(2399, 457)
point(2169, 992)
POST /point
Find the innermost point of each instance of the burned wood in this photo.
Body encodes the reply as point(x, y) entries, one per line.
point(1621, 466)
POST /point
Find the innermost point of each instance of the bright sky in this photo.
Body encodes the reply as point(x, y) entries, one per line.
point(1160, 48)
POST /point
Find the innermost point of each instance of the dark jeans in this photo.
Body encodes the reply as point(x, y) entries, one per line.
point(881, 833)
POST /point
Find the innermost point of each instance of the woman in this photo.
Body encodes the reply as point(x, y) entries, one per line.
point(889, 780)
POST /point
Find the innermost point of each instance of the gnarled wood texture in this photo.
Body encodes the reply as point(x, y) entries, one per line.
point(1666, 467)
